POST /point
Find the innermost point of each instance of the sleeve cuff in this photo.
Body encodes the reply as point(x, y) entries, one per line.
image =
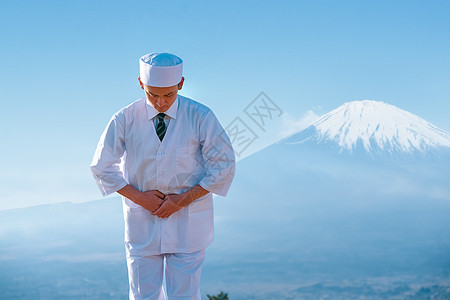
point(221, 192)
point(109, 190)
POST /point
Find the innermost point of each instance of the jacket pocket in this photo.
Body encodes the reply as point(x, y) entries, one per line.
point(187, 159)
point(137, 225)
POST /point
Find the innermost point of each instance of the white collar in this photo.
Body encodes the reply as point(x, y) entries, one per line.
point(171, 112)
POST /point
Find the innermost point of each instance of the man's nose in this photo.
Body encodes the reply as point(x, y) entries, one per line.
point(160, 102)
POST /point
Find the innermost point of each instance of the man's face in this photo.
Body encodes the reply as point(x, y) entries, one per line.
point(161, 98)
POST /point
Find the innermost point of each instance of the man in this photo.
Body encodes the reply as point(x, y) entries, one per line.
point(165, 154)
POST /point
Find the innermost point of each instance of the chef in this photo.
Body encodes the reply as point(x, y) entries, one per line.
point(166, 155)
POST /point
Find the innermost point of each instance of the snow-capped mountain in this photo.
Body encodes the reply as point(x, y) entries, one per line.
point(309, 203)
point(375, 127)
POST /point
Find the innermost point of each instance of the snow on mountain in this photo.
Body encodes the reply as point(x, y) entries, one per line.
point(376, 126)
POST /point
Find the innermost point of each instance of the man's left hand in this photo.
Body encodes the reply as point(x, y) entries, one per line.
point(169, 207)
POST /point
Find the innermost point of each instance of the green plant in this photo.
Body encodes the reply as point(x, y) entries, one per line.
point(221, 296)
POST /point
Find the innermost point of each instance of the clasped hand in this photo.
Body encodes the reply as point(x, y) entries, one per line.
point(162, 205)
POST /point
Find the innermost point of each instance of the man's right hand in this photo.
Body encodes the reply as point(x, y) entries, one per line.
point(151, 200)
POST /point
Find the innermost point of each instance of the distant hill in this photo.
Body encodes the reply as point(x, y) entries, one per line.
point(63, 251)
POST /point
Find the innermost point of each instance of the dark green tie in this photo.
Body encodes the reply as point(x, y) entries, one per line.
point(161, 127)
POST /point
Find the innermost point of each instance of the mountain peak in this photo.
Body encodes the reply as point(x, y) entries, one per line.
point(376, 126)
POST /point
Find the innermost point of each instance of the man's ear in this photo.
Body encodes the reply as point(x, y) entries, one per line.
point(180, 85)
point(140, 83)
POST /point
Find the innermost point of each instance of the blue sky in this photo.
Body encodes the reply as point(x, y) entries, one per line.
point(67, 66)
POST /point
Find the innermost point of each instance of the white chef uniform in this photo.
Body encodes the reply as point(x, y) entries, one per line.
point(195, 150)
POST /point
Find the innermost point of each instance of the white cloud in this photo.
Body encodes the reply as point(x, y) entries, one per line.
point(277, 129)
point(92, 257)
point(291, 125)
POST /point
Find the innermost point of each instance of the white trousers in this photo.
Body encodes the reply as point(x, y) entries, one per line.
point(182, 272)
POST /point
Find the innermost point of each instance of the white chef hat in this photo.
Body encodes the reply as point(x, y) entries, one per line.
point(160, 69)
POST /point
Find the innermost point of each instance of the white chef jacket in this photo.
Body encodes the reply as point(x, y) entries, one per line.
point(195, 150)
